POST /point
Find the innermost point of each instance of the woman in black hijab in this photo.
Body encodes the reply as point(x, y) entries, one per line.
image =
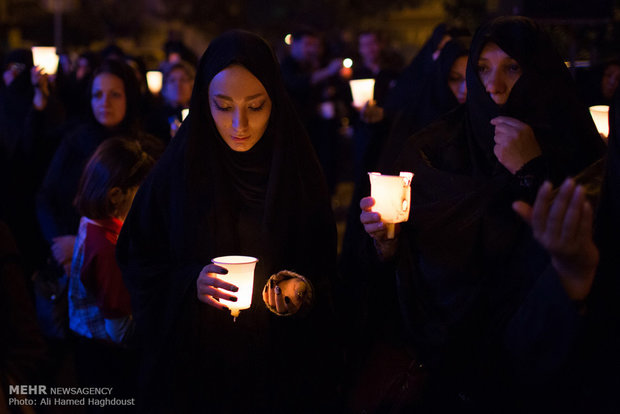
point(486, 309)
point(441, 90)
point(240, 177)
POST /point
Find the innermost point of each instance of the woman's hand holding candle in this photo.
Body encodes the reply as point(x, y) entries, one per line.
point(386, 248)
point(210, 287)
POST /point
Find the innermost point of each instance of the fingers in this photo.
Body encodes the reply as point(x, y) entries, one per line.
point(524, 210)
point(279, 300)
point(559, 223)
point(573, 214)
point(280, 296)
point(557, 212)
point(541, 208)
point(507, 121)
point(210, 288)
point(366, 203)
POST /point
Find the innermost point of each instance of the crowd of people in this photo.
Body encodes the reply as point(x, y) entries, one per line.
point(498, 294)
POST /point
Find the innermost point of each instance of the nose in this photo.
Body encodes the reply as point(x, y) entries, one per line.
point(463, 89)
point(106, 99)
point(495, 83)
point(240, 120)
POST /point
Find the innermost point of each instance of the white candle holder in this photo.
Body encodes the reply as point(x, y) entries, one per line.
point(363, 90)
point(46, 58)
point(600, 115)
point(154, 80)
point(241, 274)
point(392, 195)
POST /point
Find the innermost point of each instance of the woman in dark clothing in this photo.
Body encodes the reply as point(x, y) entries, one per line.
point(240, 177)
point(412, 77)
point(598, 85)
point(434, 100)
point(28, 112)
point(442, 90)
point(115, 111)
point(490, 313)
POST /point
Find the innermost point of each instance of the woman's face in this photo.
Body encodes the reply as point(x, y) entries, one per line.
point(498, 72)
point(178, 88)
point(456, 79)
point(610, 81)
point(108, 100)
point(240, 107)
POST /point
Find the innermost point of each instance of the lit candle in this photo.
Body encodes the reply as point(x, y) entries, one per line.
point(154, 80)
point(46, 58)
point(600, 115)
point(241, 274)
point(362, 91)
point(392, 194)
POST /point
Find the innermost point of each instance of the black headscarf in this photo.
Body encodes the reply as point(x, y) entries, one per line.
point(468, 261)
point(205, 200)
point(433, 99)
point(410, 80)
point(544, 97)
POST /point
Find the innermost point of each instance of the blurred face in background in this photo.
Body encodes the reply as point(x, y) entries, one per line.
point(82, 68)
point(108, 99)
point(178, 88)
point(240, 107)
point(610, 81)
point(498, 72)
point(456, 79)
point(307, 49)
point(369, 47)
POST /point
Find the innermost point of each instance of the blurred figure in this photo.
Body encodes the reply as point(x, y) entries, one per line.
point(317, 93)
point(177, 83)
point(442, 89)
point(74, 88)
point(371, 127)
point(99, 305)
point(29, 111)
point(22, 350)
point(412, 76)
point(176, 51)
point(599, 84)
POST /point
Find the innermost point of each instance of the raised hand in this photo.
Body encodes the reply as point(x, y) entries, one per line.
point(563, 226)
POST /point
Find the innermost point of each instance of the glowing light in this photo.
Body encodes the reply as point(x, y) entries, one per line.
point(154, 80)
point(362, 91)
point(241, 274)
point(600, 115)
point(46, 58)
point(392, 194)
point(184, 113)
point(287, 39)
point(347, 63)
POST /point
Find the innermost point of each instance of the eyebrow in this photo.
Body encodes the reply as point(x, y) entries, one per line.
point(247, 98)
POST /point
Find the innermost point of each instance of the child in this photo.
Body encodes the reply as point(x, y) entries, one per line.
point(99, 304)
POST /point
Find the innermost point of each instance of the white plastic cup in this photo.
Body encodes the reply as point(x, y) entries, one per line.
point(392, 194)
point(241, 274)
